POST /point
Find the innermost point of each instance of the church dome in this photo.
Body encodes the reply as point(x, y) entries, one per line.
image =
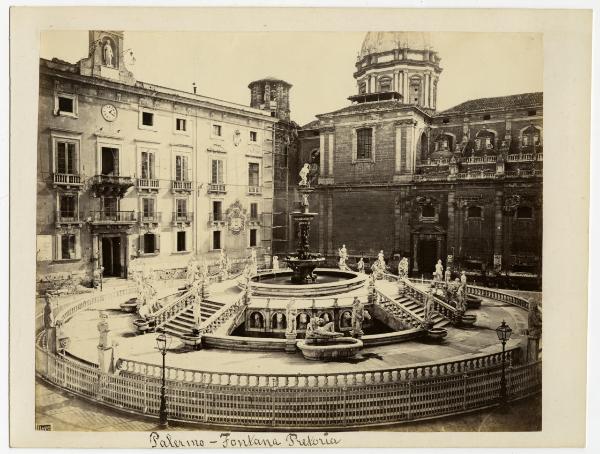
point(376, 42)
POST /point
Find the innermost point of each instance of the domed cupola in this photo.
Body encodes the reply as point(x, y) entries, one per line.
point(398, 65)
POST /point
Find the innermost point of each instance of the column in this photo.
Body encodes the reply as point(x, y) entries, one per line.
point(398, 151)
point(410, 131)
point(321, 245)
point(405, 85)
point(426, 90)
point(498, 233)
point(322, 169)
point(450, 237)
point(330, 223)
point(330, 166)
point(415, 258)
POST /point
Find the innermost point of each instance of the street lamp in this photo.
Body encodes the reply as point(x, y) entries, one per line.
point(162, 343)
point(503, 331)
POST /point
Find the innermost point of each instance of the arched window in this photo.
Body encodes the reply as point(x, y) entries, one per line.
point(427, 211)
point(531, 137)
point(474, 212)
point(415, 90)
point(524, 212)
point(385, 84)
point(484, 140)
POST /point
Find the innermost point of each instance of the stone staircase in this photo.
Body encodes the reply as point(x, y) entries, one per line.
point(183, 323)
point(413, 306)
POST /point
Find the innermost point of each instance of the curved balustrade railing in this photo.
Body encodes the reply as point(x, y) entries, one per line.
point(65, 311)
point(296, 401)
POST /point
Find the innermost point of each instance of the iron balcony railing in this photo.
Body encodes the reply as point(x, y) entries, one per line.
point(182, 217)
point(126, 217)
point(216, 218)
point(67, 217)
point(149, 217)
point(254, 190)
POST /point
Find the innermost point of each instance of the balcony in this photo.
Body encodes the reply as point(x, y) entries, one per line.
point(182, 218)
point(148, 184)
point(216, 219)
point(68, 218)
point(254, 190)
point(216, 188)
point(67, 180)
point(149, 218)
point(110, 185)
point(254, 221)
point(525, 157)
point(181, 186)
point(118, 218)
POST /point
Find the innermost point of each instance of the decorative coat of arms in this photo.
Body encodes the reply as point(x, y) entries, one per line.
point(236, 217)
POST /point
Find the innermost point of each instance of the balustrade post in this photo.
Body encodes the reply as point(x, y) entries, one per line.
point(409, 409)
point(465, 378)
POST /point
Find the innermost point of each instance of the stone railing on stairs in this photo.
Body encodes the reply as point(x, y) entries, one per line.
point(225, 313)
point(408, 316)
point(444, 309)
point(172, 310)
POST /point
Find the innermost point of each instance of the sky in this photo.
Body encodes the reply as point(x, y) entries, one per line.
point(319, 65)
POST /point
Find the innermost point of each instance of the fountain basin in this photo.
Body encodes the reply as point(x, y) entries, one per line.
point(329, 282)
point(131, 305)
point(468, 320)
point(473, 302)
point(437, 334)
point(331, 350)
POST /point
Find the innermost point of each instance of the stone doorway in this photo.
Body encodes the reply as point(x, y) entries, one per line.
point(427, 255)
point(112, 256)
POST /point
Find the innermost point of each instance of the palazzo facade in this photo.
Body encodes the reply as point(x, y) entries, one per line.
point(129, 170)
point(392, 173)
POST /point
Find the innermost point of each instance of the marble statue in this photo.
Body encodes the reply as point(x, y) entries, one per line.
point(317, 329)
point(304, 174)
point(381, 258)
point(447, 275)
point(191, 272)
point(105, 338)
point(302, 321)
point(463, 281)
point(144, 311)
point(439, 271)
point(279, 321)
point(223, 265)
point(361, 266)
point(378, 267)
point(275, 265)
point(49, 312)
point(257, 320)
point(461, 300)
point(343, 254)
point(403, 268)
point(428, 303)
point(358, 314)
point(253, 262)
point(346, 319)
point(290, 315)
point(108, 55)
point(305, 202)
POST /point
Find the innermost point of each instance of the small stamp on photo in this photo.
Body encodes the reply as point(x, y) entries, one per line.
point(46, 427)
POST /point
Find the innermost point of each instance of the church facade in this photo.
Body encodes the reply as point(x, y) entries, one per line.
point(133, 171)
point(392, 173)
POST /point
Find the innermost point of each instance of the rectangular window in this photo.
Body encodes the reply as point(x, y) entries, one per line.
point(253, 136)
point(149, 243)
point(67, 246)
point(67, 208)
point(216, 173)
point(217, 211)
point(181, 168)
point(253, 237)
point(66, 158)
point(110, 205)
point(148, 160)
point(217, 130)
point(181, 246)
point(181, 206)
point(147, 118)
point(254, 211)
point(148, 208)
point(66, 105)
point(216, 239)
point(253, 174)
point(364, 143)
point(110, 161)
point(180, 124)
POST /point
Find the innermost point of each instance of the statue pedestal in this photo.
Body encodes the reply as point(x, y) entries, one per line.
point(290, 342)
point(105, 359)
point(533, 348)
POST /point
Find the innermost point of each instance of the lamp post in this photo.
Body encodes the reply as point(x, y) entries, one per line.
point(503, 331)
point(162, 343)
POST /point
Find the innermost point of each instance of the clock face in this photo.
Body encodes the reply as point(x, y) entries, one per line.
point(109, 112)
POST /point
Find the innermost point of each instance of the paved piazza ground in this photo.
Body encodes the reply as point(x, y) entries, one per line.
point(460, 343)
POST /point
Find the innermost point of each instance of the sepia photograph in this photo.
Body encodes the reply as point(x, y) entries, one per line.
point(281, 237)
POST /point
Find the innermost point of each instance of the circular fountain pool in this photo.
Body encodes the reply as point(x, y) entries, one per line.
point(329, 282)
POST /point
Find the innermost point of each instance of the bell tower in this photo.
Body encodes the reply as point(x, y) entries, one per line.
point(106, 57)
point(273, 95)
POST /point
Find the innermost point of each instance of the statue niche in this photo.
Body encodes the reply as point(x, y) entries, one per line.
point(109, 54)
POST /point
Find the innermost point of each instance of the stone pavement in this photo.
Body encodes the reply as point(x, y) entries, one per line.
point(66, 412)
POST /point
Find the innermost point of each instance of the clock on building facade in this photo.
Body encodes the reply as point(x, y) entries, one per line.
point(109, 112)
